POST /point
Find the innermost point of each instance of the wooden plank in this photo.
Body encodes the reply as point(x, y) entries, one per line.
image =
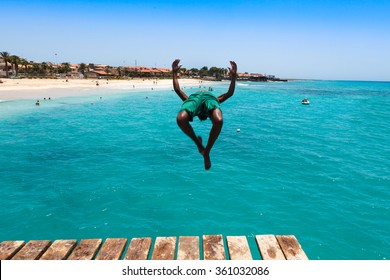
point(59, 250)
point(139, 249)
point(112, 249)
point(238, 248)
point(213, 248)
point(164, 248)
point(33, 250)
point(188, 248)
point(269, 247)
point(291, 247)
point(8, 249)
point(86, 249)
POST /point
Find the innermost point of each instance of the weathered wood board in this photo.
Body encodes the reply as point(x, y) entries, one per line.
point(188, 248)
point(213, 248)
point(139, 249)
point(238, 248)
point(164, 248)
point(291, 247)
point(86, 250)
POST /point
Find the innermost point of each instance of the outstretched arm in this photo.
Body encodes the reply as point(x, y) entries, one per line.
point(176, 87)
point(229, 93)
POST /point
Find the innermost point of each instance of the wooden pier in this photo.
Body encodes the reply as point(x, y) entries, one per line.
point(270, 247)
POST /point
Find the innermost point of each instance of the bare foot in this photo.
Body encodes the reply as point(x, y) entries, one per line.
point(206, 157)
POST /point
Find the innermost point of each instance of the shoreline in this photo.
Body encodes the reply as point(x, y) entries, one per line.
point(35, 89)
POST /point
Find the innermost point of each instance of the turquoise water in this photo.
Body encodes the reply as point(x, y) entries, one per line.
point(121, 167)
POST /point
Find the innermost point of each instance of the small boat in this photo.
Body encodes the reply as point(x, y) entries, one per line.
point(305, 101)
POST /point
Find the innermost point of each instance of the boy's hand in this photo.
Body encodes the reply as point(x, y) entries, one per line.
point(233, 70)
point(175, 65)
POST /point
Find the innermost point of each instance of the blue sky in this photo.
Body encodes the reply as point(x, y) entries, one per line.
point(291, 39)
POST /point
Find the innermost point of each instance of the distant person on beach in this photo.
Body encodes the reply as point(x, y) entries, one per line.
point(204, 105)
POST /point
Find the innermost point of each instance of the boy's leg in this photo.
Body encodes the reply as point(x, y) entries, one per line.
point(217, 119)
point(183, 121)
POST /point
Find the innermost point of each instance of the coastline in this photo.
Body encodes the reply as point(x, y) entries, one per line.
point(36, 89)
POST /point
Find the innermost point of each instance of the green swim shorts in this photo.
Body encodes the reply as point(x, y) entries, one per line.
point(200, 104)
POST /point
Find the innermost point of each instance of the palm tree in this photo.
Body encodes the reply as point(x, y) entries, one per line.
point(5, 56)
point(35, 69)
point(15, 60)
point(216, 72)
point(126, 71)
point(203, 71)
point(43, 68)
point(50, 68)
point(82, 68)
point(194, 72)
point(65, 67)
point(119, 69)
point(24, 63)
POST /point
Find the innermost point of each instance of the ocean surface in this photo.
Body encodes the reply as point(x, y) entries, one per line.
point(85, 167)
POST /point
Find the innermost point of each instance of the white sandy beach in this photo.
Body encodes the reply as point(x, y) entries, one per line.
point(36, 89)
